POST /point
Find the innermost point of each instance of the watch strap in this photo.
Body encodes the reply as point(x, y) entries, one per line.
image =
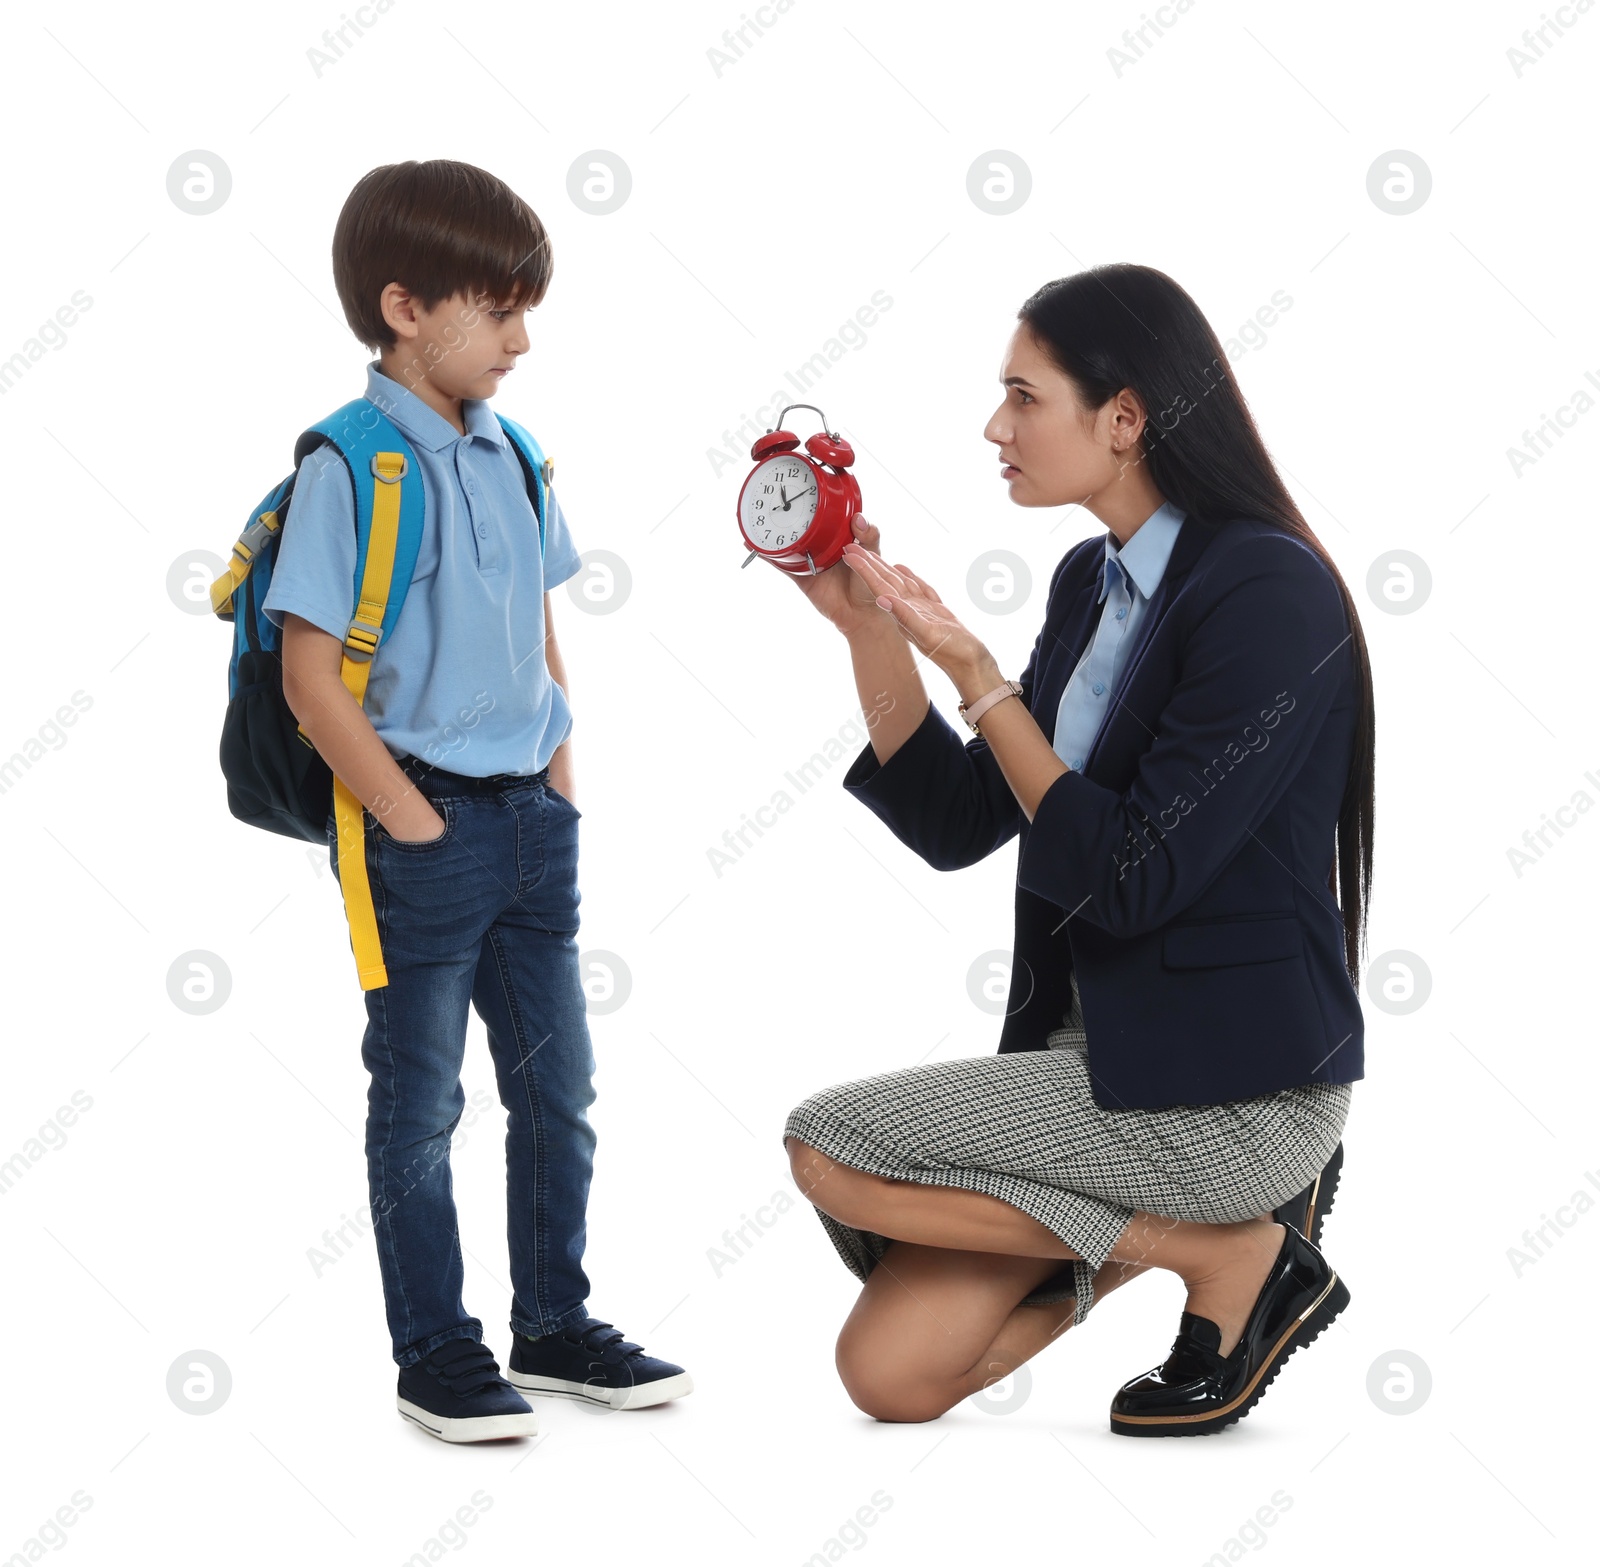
point(976, 711)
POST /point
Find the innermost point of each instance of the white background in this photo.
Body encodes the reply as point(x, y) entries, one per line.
point(769, 201)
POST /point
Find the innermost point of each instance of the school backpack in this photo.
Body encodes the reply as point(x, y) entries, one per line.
point(276, 779)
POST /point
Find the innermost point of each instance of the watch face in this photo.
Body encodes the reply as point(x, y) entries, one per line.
point(779, 502)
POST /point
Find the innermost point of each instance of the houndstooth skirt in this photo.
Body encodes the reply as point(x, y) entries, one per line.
point(1024, 1127)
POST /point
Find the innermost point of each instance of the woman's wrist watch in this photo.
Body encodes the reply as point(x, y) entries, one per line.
point(976, 711)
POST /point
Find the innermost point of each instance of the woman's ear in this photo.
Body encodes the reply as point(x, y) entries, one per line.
point(1127, 418)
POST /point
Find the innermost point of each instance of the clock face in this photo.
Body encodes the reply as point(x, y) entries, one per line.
point(779, 502)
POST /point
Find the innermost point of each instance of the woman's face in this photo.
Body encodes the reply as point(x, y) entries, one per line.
point(1057, 451)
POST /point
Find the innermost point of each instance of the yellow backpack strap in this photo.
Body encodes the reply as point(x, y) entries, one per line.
point(360, 644)
point(240, 561)
point(350, 824)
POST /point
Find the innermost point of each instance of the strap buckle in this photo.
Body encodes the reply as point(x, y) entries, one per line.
point(384, 466)
point(259, 531)
point(362, 637)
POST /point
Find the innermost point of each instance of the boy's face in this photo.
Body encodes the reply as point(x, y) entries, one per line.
point(463, 347)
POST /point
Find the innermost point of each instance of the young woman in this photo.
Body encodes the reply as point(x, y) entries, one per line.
point(1187, 762)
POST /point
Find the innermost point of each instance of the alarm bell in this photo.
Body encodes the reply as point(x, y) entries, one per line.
point(795, 508)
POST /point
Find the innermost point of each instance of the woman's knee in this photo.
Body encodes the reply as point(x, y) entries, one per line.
point(842, 1192)
point(808, 1166)
point(882, 1385)
point(801, 1156)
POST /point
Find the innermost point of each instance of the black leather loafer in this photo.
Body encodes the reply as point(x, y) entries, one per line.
point(1196, 1390)
point(1306, 1211)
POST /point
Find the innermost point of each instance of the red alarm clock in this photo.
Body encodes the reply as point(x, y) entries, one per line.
point(795, 510)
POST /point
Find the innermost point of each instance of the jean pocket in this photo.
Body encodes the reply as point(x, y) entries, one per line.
point(556, 794)
point(446, 809)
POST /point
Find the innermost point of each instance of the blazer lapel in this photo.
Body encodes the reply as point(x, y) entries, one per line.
point(1064, 645)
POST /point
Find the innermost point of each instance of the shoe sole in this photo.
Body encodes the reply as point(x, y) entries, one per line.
point(641, 1396)
point(1304, 1330)
point(478, 1428)
point(1319, 1202)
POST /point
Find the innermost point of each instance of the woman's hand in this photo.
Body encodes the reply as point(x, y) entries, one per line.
point(840, 594)
point(924, 619)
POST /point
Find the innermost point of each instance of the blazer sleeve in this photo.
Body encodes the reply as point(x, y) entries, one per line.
point(946, 801)
point(1259, 672)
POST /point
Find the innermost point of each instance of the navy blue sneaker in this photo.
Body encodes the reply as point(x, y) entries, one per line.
point(592, 1361)
point(457, 1394)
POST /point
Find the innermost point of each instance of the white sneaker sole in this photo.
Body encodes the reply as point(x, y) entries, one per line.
point(481, 1428)
point(640, 1396)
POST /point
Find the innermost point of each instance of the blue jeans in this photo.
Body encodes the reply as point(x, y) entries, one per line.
point(487, 913)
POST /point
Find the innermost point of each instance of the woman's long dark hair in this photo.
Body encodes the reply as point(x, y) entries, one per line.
point(1122, 325)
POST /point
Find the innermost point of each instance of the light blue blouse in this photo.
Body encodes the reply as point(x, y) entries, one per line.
point(1128, 577)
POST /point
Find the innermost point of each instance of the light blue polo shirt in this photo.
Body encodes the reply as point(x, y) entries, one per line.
point(461, 681)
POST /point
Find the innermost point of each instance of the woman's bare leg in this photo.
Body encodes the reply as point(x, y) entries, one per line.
point(933, 1326)
point(1223, 1265)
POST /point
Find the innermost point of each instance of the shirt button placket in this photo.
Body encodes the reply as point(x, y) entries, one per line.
point(487, 555)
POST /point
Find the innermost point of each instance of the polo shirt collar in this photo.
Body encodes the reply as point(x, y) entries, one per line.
point(421, 424)
point(1144, 557)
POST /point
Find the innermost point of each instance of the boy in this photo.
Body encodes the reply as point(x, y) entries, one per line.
point(472, 868)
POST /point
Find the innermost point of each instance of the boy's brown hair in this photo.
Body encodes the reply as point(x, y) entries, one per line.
point(439, 228)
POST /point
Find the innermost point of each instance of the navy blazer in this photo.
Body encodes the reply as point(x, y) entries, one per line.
point(1184, 872)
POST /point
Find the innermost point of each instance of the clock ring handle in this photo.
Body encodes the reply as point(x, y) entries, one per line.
point(834, 434)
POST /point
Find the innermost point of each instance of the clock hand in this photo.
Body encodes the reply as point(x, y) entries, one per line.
point(789, 500)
